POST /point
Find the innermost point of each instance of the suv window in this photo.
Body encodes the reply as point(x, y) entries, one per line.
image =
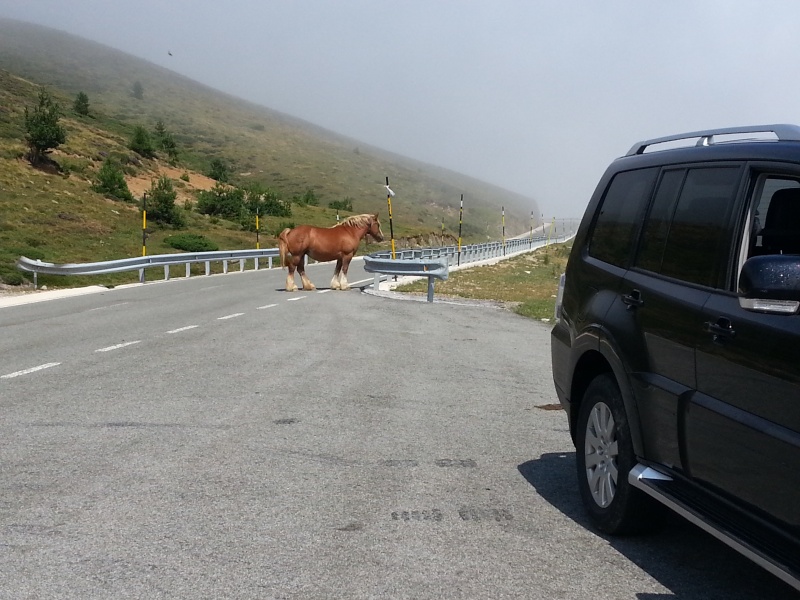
point(616, 224)
point(775, 226)
point(687, 226)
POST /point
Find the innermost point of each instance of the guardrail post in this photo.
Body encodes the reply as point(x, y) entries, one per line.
point(255, 264)
point(377, 283)
point(208, 268)
point(241, 265)
point(188, 269)
point(270, 262)
point(225, 267)
point(430, 288)
point(141, 275)
point(166, 272)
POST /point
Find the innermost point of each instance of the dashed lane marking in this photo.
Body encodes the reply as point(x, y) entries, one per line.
point(266, 306)
point(31, 370)
point(324, 291)
point(233, 316)
point(117, 346)
point(296, 298)
point(188, 327)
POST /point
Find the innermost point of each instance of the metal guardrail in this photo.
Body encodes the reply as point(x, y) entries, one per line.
point(143, 262)
point(432, 269)
point(423, 262)
point(435, 263)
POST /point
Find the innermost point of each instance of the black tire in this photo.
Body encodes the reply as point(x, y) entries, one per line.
point(603, 442)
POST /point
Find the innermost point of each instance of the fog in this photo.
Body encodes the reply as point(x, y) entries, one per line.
point(534, 97)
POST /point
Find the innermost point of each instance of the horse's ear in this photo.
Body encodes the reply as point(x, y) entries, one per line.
point(376, 216)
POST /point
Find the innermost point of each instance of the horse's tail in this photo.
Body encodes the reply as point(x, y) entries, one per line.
point(283, 245)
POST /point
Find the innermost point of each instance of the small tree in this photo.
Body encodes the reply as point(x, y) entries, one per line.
point(222, 201)
point(142, 143)
point(43, 133)
point(309, 198)
point(161, 203)
point(264, 202)
point(166, 142)
point(219, 171)
point(81, 104)
point(346, 204)
point(110, 181)
point(138, 90)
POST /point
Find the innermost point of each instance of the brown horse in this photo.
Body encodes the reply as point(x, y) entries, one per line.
point(338, 243)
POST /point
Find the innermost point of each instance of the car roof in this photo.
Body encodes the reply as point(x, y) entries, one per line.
point(760, 142)
point(708, 137)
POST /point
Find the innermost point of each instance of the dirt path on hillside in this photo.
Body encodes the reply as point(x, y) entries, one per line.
point(141, 183)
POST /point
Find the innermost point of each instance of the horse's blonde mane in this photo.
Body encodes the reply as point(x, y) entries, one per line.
point(357, 220)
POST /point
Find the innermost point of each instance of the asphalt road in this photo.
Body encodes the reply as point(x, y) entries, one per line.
point(220, 438)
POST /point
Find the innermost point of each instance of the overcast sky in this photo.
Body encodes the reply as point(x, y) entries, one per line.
point(536, 97)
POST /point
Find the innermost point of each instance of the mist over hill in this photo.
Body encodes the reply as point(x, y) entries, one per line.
point(283, 152)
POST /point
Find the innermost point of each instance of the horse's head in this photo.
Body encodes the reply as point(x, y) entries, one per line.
point(375, 228)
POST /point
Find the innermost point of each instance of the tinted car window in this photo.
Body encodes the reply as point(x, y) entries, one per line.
point(656, 228)
point(619, 214)
point(689, 247)
point(776, 218)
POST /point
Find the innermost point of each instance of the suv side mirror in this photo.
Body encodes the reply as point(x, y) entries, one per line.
point(770, 284)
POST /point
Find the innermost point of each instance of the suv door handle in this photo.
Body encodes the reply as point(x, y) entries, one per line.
point(633, 300)
point(722, 329)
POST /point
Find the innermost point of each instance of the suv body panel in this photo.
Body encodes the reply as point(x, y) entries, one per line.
point(711, 390)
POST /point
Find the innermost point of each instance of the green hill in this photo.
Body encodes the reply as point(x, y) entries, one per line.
point(52, 213)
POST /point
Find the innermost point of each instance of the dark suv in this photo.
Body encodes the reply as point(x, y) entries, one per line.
point(676, 349)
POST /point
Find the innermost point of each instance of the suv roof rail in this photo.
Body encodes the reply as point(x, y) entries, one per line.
point(782, 132)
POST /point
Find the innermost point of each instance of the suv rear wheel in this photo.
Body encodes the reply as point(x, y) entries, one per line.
point(604, 458)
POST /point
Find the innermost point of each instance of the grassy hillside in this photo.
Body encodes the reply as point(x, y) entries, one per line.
point(52, 213)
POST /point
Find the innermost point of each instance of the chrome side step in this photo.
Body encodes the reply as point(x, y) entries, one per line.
point(730, 531)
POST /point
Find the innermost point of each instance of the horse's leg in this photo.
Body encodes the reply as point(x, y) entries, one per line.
point(307, 285)
point(290, 284)
point(336, 274)
point(343, 285)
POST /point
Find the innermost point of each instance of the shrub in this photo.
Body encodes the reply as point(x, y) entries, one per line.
point(43, 133)
point(10, 277)
point(166, 142)
point(110, 181)
point(161, 203)
point(191, 242)
point(265, 201)
point(309, 198)
point(73, 165)
point(346, 204)
point(142, 143)
point(219, 171)
point(81, 104)
point(222, 201)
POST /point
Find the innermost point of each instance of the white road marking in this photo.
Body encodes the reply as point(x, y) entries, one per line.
point(234, 315)
point(109, 306)
point(355, 283)
point(182, 329)
point(296, 298)
point(267, 306)
point(324, 291)
point(117, 346)
point(31, 370)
